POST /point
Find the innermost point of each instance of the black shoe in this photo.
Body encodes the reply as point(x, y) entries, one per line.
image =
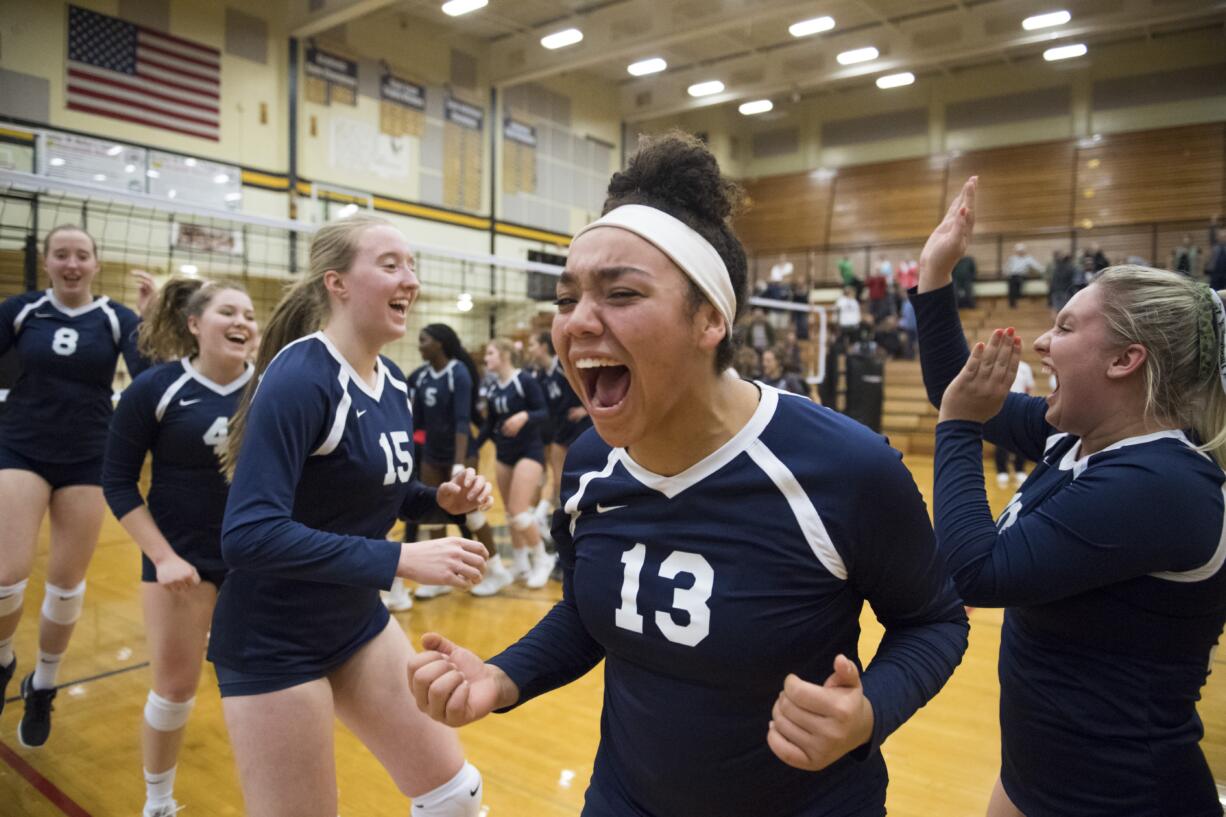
point(36, 722)
point(6, 675)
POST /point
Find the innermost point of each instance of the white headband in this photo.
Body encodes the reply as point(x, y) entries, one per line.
point(681, 243)
point(1219, 318)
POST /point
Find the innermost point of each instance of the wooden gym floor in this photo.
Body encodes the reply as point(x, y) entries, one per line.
point(536, 761)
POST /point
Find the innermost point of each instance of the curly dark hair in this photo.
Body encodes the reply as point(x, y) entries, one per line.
point(675, 172)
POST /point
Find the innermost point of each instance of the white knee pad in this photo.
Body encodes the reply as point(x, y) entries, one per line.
point(167, 716)
point(63, 605)
point(475, 520)
point(523, 521)
point(11, 597)
point(458, 797)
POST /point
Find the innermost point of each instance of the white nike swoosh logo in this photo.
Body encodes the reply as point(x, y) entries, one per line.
point(606, 508)
point(363, 411)
point(42, 314)
point(189, 402)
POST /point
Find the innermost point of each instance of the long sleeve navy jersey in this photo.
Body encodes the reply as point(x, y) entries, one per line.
point(59, 408)
point(520, 392)
point(324, 470)
point(1110, 567)
point(183, 418)
point(561, 398)
point(442, 405)
point(703, 590)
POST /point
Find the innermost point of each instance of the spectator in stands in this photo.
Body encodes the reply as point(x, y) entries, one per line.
point(887, 337)
point(908, 274)
point(1017, 267)
point(848, 309)
point(878, 294)
point(774, 375)
point(790, 355)
point(906, 325)
point(847, 272)
point(1184, 257)
point(1093, 260)
point(759, 334)
point(885, 268)
point(746, 363)
point(1023, 383)
point(1060, 281)
point(964, 281)
point(1216, 267)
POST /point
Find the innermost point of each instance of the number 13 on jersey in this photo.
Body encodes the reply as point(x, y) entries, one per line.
point(693, 599)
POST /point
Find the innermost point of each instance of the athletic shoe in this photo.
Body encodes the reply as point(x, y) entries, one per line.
point(6, 675)
point(539, 575)
point(496, 578)
point(1020, 476)
point(1002, 480)
point(35, 724)
point(166, 808)
point(521, 565)
point(398, 599)
point(431, 591)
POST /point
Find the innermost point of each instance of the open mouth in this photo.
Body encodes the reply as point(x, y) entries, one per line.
point(400, 306)
point(605, 381)
point(1055, 379)
point(237, 338)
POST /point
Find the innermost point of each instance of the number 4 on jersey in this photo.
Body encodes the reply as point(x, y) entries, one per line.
point(217, 433)
point(693, 599)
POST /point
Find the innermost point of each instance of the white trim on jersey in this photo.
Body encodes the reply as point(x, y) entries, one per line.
point(229, 388)
point(30, 307)
point(1052, 440)
point(170, 393)
point(1070, 460)
point(440, 372)
point(514, 378)
point(79, 310)
point(1210, 568)
point(110, 316)
point(717, 459)
point(380, 369)
point(342, 414)
point(402, 387)
point(572, 504)
point(809, 519)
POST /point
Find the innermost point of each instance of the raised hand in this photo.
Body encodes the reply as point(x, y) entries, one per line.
point(451, 561)
point(979, 390)
point(146, 290)
point(813, 726)
point(454, 686)
point(465, 492)
point(949, 241)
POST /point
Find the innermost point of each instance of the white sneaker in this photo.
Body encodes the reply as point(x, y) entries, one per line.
point(496, 578)
point(538, 577)
point(1002, 480)
point(162, 809)
point(431, 591)
point(521, 566)
point(1020, 477)
point(398, 599)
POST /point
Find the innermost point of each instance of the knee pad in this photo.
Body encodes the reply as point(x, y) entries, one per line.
point(11, 597)
point(523, 520)
point(475, 520)
point(63, 605)
point(459, 797)
point(167, 716)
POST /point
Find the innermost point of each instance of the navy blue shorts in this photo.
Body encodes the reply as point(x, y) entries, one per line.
point(509, 451)
point(56, 474)
point(214, 576)
point(567, 432)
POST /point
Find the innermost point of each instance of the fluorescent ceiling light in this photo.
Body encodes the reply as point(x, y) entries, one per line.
point(233, 196)
point(895, 80)
point(858, 55)
point(1064, 52)
point(649, 66)
point(756, 107)
point(170, 194)
point(151, 173)
point(114, 150)
point(815, 26)
point(221, 178)
point(561, 39)
point(713, 86)
point(99, 177)
point(189, 161)
point(129, 168)
point(455, 8)
point(1052, 18)
point(346, 211)
point(188, 269)
point(56, 161)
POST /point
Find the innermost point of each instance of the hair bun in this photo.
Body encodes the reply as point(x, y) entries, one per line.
point(676, 169)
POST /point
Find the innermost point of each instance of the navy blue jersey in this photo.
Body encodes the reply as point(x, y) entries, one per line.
point(183, 418)
point(703, 590)
point(59, 408)
point(1110, 566)
point(442, 405)
point(561, 398)
point(323, 472)
point(520, 392)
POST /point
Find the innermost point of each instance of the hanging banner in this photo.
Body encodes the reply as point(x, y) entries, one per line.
point(330, 78)
point(463, 149)
point(518, 157)
point(402, 107)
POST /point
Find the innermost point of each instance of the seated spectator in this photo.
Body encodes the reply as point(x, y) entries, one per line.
point(773, 375)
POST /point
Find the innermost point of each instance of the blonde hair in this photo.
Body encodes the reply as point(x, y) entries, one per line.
point(68, 228)
point(303, 309)
point(1174, 318)
point(504, 347)
point(164, 334)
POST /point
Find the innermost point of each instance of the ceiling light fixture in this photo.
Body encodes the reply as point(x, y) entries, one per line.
point(346, 211)
point(756, 107)
point(815, 26)
point(1051, 18)
point(858, 55)
point(455, 8)
point(707, 88)
point(654, 65)
point(561, 39)
point(895, 80)
point(1065, 52)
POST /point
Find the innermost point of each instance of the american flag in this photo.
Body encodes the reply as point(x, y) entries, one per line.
point(125, 71)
